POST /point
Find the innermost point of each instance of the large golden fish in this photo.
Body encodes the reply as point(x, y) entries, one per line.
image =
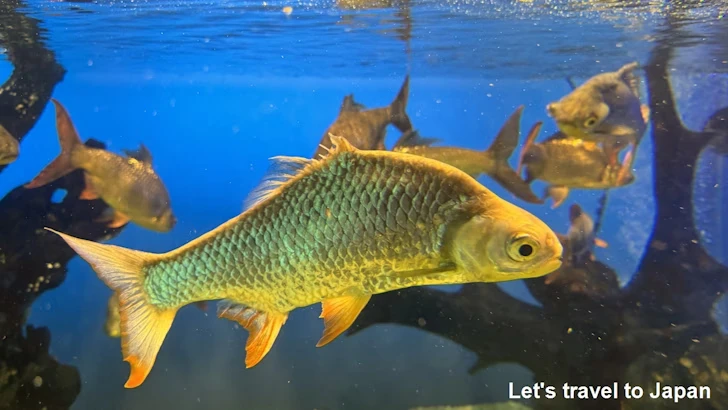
point(335, 231)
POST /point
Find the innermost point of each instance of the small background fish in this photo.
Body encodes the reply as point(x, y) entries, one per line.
point(366, 129)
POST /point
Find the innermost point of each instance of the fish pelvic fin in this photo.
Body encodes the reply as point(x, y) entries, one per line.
point(398, 108)
point(339, 314)
point(557, 193)
point(263, 328)
point(143, 325)
point(70, 141)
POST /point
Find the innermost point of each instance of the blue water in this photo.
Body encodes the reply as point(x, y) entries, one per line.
point(214, 89)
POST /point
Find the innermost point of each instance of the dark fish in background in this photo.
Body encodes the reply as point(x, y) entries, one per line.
point(565, 162)
point(492, 161)
point(581, 237)
point(334, 231)
point(605, 109)
point(128, 184)
point(9, 147)
point(366, 129)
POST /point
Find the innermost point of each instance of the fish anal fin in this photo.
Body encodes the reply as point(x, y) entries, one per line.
point(143, 325)
point(88, 193)
point(263, 328)
point(339, 314)
point(601, 243)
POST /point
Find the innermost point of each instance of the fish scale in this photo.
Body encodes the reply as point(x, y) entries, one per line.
point(367, 232)
point(375, 211)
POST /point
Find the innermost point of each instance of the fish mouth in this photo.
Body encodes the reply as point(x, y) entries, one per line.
point(550, 266)
point(8, 158)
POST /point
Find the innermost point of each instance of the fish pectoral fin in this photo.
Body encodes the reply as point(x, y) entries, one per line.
point(339, 314)
point(263, 328)
point(114, 218)
point(600, 243)
point(88, 193)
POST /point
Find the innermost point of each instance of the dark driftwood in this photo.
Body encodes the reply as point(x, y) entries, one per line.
point(32, 262)
point(588, 330)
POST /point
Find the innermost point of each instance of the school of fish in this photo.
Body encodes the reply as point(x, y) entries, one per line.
point(353, 221)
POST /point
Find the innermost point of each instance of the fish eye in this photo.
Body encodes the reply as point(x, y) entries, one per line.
point(590, 121)
point(522, 248)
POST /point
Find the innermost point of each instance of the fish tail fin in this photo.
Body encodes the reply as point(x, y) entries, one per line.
point(398, 108)
point(143, 325)
point(507, 139)
point(530, 139)
point(501, 150)
point(70, 141)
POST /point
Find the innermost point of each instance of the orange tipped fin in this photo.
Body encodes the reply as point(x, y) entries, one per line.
point(339, 314)
point(601, 243)
point(143, 325)
point(530, 139)
point(645, 110)
point(88, 193)
point(114, 218)
point(625, 168)
point(262, 326)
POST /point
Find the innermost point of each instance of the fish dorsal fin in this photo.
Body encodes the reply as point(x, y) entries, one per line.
point(281, 170)
point(285, 168)
point(626, 74)
point(141, 154)
point(263, 328)
point(350, 105)
point(339, 314)
point(413, 138)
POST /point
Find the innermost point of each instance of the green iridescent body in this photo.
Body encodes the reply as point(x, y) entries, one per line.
point(335, 231)
point(347, 230)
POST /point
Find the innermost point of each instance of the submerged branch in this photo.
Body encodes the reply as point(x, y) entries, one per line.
point(24, 95)
point(588, 331)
